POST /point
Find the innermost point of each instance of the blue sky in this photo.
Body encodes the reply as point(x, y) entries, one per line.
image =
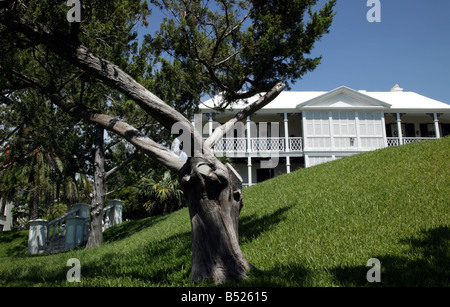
point(410, 46)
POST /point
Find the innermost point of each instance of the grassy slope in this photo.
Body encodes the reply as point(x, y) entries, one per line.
point(314, 227)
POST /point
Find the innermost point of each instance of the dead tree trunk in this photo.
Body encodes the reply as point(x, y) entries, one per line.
point(214, 197)
point(95, 238)
point(213, 190)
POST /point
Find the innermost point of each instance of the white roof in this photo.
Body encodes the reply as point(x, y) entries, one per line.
point(409, 101)
point(286, 100)
point(392, 101)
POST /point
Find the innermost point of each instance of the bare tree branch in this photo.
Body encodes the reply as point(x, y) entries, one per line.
point(128, 132)
point(103, 69)
point(111, 74)
point(250, 109)
point(11, 133)
point(124, 163)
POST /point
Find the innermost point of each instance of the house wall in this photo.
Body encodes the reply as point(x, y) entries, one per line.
point(332, 125)
point(241, 166)
point(343, 130)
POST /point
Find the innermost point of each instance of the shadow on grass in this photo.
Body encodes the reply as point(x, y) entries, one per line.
point(251, 227)
point(162, 263)
point(14, 243)
point(166, 262)
point(425, 265)
point(127, 229)
point(289, 275)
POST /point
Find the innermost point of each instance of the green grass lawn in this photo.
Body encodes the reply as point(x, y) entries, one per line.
point(314, 227)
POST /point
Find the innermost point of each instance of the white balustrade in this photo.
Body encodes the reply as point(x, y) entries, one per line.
point(395, 141)
point(69, 230)
point(231, 145)
point(268, 144)
point(296, 144)
point(408, 140)
point(239, 145)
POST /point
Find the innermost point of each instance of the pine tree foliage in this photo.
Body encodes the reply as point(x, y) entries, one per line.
point(237, 48)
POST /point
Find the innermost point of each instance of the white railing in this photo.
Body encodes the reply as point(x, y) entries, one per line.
point(231, 145)
point(407, 140)
point(295, 144)
point(56, 229)
point(395, 141)
point(268, 144)
point(69, 230)
point(240, 145)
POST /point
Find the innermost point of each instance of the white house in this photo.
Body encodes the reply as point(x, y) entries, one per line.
point(303, 129)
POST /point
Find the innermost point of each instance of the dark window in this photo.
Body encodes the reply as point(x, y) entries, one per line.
point(410, 130)
point(264, 174)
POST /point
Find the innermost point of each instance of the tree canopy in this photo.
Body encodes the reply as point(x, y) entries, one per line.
point(95, 69)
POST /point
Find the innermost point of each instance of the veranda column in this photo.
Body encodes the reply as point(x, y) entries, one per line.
point(383, 126)
point(358, 130)
point(399, 129)
point(210, 124)
point(249, 140)
point(436, 126)
point(331, 129)
point(249, 165)
point(286, 138)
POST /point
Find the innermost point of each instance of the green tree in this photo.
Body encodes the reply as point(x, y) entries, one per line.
point(238, 48)
point(38, 170)
point(161, 195)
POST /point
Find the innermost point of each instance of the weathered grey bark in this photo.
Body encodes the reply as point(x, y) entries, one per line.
point(212, 190)
point(95, 238)
point(34, 199)
point(214, 196)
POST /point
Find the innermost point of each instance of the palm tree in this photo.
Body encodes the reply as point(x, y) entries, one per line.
point(162, 195)
point(41, 181)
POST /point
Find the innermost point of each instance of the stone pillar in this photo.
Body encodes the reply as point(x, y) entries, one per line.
point(83, 209)
point(76, 226)
point(116, 212)
point(37, 236)
point(74, 231)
